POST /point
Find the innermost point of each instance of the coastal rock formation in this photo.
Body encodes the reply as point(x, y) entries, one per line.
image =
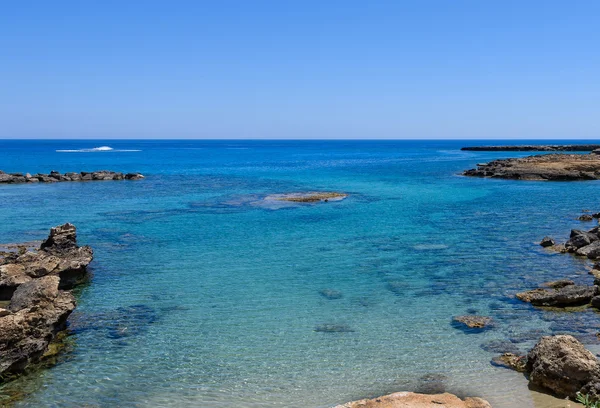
point(414, 400)
point(308, 197)
point(474, 321)
point(59, 255)
point(563, 365)
point(55, 176)
point(535, 148)
point(553, 167)
point(569, 295)
point(38, 309)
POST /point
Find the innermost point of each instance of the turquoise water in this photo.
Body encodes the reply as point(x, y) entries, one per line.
point(204, 296)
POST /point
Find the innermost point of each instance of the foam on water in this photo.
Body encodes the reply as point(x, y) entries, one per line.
point(203, 296)
point(96, 149)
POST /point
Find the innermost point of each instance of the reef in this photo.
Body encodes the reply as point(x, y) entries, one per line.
point(551, 167)
point(36, 285)
point(308, 197)
point(55, 176)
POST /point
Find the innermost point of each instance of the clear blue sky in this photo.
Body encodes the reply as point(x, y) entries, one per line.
point(300, 69)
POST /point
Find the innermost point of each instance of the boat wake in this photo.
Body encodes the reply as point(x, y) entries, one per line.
point(97, 149)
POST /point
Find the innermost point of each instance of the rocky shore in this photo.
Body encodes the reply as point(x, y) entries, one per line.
point(535, 148)
point(35, 284)
point(55, 176)
point(552, 167)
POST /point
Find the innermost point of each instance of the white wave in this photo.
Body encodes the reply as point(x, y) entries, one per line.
point(97, 149)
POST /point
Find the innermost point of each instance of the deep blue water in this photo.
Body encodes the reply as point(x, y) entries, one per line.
point(204, 296)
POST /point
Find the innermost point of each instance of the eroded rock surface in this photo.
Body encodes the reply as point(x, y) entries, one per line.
point(553, 167)
point(308, 197)
point(570, 295)
point(38, 308)
point(474, 321)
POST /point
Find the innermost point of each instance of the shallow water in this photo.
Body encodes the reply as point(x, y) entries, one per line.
point(203, 294)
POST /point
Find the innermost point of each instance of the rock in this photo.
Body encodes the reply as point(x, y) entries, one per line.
point(309, 197)
point(589, 250)
point(11, 276)
point(4, 312)
point(414, 400)
point(55, 176)
point(579, 239)
point(551, 167)
point(473, 321)
point(562, 365)
point(585, 217)
point(571, 295)
point(596, 302)
point(40, 311)
point(512, 361)
point(539, 148)
point(61, 237)
point(561, 283)
point(34, 292)
point(547, 242)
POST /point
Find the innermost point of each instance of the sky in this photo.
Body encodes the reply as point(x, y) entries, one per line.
point(295, 69)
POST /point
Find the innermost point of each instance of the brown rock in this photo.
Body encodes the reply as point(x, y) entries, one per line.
point(413, 400)
point(562, 365)
point(570, 295)
point(512, 361)
point(474, 321)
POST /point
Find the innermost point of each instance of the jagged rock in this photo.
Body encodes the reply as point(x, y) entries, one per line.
point(579, 239)
point(39, 312)
point(585, 217)
point(547, 242)
point(512, 361)
point(414, 400)
point(473, 321)
point(562, 365)
point(571, 295)
point(61, 237)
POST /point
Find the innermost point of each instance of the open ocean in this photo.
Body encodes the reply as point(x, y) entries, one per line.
point(203, 296)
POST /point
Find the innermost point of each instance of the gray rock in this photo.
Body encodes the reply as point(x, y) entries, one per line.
point(571, 295)
point(547, 242)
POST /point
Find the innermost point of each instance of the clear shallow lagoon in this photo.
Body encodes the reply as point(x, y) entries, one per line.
point(203, 296)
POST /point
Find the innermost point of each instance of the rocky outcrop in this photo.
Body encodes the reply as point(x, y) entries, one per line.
point(33, 282)
point(512, 361)
point(309, 197)
point(552, 167)
point(535, 148)
point(414, 400)
point(58, 255)
point(564, 366)
point(562, 296)
point(547, 242)
point(55, 176)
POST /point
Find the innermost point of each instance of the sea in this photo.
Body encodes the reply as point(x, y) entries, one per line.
point(204, 294)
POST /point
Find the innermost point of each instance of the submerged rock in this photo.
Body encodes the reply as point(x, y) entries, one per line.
point(561, 283)
point(474, 321)
point(414, 400)
point(512, 361)
point(585, 217)
point(500, 346)
point(331, 294)
point(333, 328)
